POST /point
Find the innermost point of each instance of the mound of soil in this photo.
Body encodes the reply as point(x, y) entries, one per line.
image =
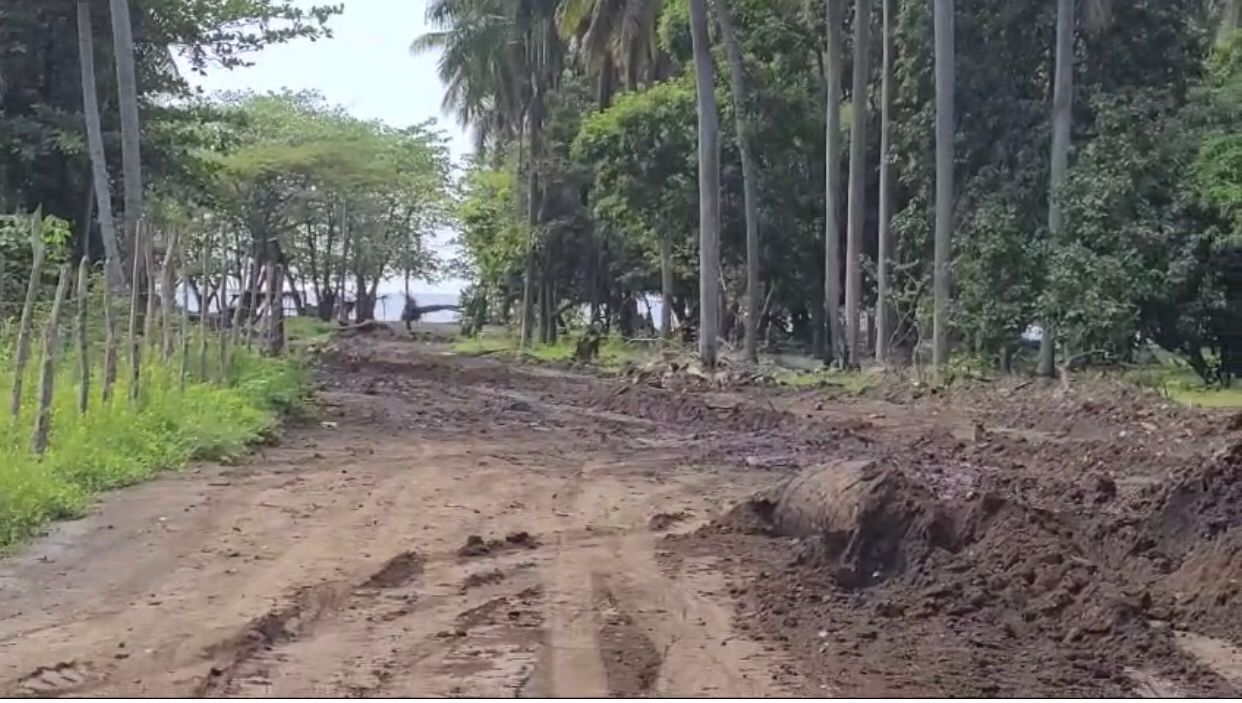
point(875, 568)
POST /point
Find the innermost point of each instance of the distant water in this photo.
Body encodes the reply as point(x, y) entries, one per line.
point(389, 306)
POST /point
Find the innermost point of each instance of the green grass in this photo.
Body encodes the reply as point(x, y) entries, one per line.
point(1182, 385)
point(123, 443)
point(308, 330)
point(614, 352)
point(850, 382)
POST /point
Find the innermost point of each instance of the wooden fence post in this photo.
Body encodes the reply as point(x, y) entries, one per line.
point(185, 317)
point(224, 360)
point(2, 318)
point(203, 311)
point(111, 344)
point(84, 360)
point(150, 281)
point(47, 378)
point(23, 329)
point(169, 294)
point(135, 338)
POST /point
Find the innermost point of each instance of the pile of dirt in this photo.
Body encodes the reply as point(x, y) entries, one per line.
point(869, 557)
point(1194, 535)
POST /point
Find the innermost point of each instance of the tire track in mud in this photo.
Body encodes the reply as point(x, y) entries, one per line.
point(249, 655)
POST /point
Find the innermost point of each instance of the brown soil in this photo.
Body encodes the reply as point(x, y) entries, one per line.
point(468, 527)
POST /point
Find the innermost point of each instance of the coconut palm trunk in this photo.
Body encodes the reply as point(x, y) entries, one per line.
point(835, 348)
point(746, 145)
point(858, 179)
point(1062, 120)
point(883, 329)
point(945, 128)
point(127, 86)
point(709, 186)
point(95, 146)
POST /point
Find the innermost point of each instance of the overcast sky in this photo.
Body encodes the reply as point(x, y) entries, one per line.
point(366, 67)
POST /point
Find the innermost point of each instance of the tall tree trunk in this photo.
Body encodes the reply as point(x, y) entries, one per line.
point(135, 329)
point(127, 86)
point(709, 186)
point(945, 128)
point(1062, 121)
point(883, 330)
point(835, 348)
point(532, 205)
point(276, 309)
point(95, 146)
point(858, 180)
point(737, 77)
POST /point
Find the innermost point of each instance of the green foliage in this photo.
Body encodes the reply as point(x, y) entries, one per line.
point(42, 134)
point(120, 444)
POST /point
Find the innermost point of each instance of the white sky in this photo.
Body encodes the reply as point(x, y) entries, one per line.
point(367, 67)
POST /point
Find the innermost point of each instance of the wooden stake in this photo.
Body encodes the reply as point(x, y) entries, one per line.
point(148, 257)
point(84, 360)
point(23, 329)
point(47, 378)
point(203, 311)
point(224, 360)
point(135, 338)
point(185, 317)
point(111, 351)
point(169, 293)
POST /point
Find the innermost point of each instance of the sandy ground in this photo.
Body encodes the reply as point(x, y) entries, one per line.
point(463, 527)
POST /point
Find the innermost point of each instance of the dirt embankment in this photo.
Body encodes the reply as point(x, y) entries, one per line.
point(1017, 562)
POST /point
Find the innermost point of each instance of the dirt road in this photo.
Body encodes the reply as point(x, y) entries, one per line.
point(462, 527)
point(443, 527)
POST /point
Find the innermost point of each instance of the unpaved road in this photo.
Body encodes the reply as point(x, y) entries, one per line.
point(330, 564)
point(462, 527)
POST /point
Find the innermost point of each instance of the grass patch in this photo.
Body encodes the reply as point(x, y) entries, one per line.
point(850, 382)
point(614, 352)
point(484, 345)
point(1182, 385)
point(122, 443)
point(308, 330)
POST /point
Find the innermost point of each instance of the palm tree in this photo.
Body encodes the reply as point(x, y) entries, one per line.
point(945, 129)
point(737, 76)
point(94, 140)
point(127, 86)
point(882, 327)
point(1062, 121)
point(500, 59)
point(709, 185)
point(482, 65)
point(858, 175)
point(614, 35)
point(834, 350)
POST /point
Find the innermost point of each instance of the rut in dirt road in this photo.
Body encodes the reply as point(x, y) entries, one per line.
point(446, 527)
